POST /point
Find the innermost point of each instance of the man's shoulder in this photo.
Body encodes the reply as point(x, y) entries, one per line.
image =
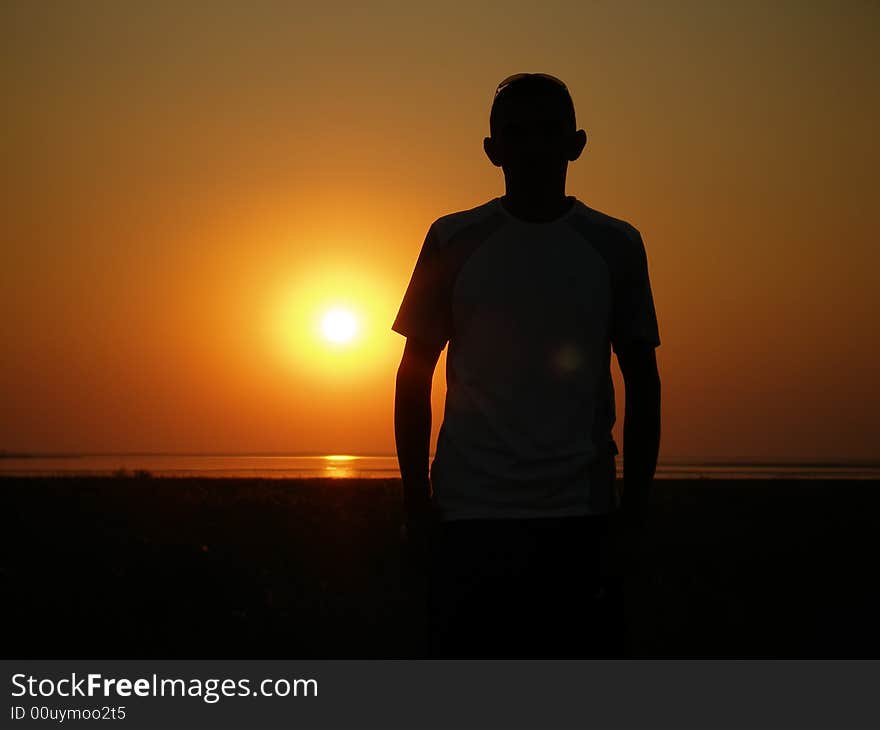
point(483, 215)
point(590, 218)
point(617, 240)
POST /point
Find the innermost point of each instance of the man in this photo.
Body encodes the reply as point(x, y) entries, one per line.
point(531, 291)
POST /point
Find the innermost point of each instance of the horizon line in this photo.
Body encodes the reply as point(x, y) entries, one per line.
point(717, 460)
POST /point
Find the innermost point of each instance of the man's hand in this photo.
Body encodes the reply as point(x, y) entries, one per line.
point(629, 529)
point(416, 534)
point(415, 546)
point(419, 515)
point(634, 510)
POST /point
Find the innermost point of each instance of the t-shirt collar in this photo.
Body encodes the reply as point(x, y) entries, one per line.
point(519, 221)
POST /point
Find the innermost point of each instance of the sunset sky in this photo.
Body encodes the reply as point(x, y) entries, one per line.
point(188, 190)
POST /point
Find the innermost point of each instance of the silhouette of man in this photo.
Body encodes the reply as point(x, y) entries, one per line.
point(531, 291)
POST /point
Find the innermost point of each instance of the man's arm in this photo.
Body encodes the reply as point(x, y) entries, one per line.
point(641, 425)
point(412, 425)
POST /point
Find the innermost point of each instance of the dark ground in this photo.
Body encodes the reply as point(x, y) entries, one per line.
point(254, 568)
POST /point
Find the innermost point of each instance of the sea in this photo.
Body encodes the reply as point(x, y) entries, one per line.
point(285, 466)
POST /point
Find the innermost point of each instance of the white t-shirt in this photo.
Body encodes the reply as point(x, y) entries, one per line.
point(530, 312)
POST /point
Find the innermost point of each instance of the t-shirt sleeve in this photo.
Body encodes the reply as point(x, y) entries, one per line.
point(426, 310)
point(634, 316)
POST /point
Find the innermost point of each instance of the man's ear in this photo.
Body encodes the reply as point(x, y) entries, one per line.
point(578, 142)
point(491, 151)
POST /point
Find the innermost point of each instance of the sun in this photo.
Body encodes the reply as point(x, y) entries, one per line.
point(330, 322)
point(339, 325)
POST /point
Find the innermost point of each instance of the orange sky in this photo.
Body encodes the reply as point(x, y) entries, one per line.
point(185, 191)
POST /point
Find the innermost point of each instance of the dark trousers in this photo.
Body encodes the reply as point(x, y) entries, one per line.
point(521, 588)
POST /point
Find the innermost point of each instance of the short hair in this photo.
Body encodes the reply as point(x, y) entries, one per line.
point(530, 87)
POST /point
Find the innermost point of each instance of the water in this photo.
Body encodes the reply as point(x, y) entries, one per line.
point(380, 467)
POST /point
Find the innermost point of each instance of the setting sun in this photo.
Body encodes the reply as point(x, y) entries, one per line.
point(339, 325)
point(329, 321)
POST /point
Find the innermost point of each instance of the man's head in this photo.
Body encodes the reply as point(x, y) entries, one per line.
point(532, 127)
